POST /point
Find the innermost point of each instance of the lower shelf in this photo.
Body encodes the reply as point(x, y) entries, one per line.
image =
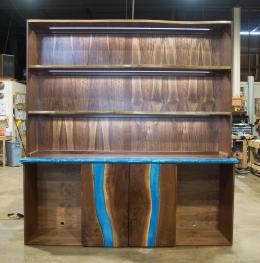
point(56, 237)
point(201, 237)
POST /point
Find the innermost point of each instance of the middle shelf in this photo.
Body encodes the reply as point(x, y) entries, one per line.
point(131, 113)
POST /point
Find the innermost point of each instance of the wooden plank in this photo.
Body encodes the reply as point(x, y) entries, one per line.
point(105, 205)
point(226, 201)
point(108, 114)
point(30, 201)
point(134, 67)
point(139, 205)
point(116, 180)
point(152, 204)
point(166, 232)
point(126, 135)
point(91, 230)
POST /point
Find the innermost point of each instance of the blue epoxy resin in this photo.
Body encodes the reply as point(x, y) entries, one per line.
point(100, 204)
point(155, 196)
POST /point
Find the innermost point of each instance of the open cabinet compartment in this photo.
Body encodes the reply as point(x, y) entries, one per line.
point(52, 204)
point(205, 204)
point(128, 205)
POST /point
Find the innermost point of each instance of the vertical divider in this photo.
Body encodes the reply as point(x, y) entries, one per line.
point(30, 201)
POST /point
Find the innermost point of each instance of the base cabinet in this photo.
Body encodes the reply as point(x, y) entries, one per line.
point(128, 205)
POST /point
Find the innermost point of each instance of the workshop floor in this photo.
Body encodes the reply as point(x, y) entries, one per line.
point(246, 248)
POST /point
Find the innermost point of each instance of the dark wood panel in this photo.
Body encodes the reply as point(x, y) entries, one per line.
point(140, 205)
point(197, 203)
point(226, 200)
point(152, 205)
point(166, 232)
point(116, 184)
point(91, 230)
point(30, 201)
point(59, 203)
point(127, 49)
point(126, 135)
point(148, 94)
point(105, 209)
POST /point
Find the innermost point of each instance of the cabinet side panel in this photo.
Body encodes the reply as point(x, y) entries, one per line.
point(91, 229)
point(30, 201)
point(226, 196)
point(166, 232)
point(140, 205)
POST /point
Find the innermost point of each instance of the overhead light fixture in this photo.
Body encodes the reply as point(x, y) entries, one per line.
point(123, 72)
point(250, 33)
point(61, 28)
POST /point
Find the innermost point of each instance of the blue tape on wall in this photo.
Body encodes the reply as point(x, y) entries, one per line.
point(155, 194)
point(100, 204)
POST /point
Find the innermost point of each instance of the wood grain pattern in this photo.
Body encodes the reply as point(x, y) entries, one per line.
point(91, 230)
point(166, 231)
point(140, 207)
point(152, 135)
point(226, 199)
point(198, 205)
point(116, 195)
point(30, 201)
point(148, 94)
point(58, 206)
point(156, 49)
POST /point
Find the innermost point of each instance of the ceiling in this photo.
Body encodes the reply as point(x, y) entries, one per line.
point(13, 15)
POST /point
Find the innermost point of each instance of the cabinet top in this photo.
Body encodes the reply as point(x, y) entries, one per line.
point(128, 23)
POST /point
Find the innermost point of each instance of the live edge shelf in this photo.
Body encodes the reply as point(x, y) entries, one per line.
point(129, 133)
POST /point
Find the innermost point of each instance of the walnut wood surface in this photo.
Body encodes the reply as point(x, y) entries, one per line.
point(91, 230)
point(82, 49)
point(116, 185)
point(55, 205)
point(140, 205)
point(166, 231)
point(148, 94)
point(128, 135)
point(198, 205)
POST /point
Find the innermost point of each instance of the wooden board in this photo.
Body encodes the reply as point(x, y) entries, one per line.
point(127, 134)
point(105, 205)
point(121, 94)
point(81, 49)
point(152, 205)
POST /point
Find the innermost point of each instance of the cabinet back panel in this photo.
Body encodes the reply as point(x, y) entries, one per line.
point(154, 94)
point(205, 49)
point(127, 134)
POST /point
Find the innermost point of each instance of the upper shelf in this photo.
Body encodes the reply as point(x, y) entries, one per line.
point(131, 114)
point(127, 25)
point(134, 69)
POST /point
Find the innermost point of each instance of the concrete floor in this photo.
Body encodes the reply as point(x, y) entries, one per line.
point(246, 248)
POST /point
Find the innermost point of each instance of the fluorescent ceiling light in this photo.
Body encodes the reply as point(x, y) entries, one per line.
point(250, 33)
point(129, 28)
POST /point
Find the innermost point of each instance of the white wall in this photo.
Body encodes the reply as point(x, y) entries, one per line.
point(11, 87)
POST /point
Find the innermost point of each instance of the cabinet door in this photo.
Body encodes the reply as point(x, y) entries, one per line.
point(152, 205)
point(105, 205)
